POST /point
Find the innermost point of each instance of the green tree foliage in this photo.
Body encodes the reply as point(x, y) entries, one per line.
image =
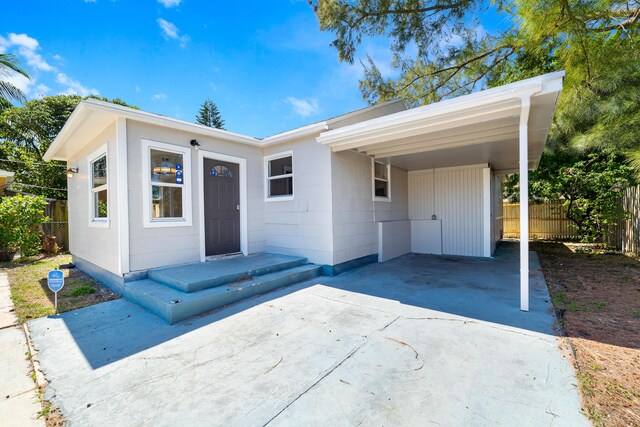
point(8, 91)
point(20, 220)
point(440, 50)
point(25, 135)
point(209, 115)
point(590, 186)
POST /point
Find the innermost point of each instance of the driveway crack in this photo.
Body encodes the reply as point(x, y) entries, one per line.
point(330, 370)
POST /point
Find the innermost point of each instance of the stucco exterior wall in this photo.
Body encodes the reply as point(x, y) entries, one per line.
point(355, 214)
point(302, 226)
point(155, 247)
point(98, 245)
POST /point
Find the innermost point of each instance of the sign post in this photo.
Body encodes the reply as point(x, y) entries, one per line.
point(55, 281)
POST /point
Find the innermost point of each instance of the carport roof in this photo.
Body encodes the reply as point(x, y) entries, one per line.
point(482, 127)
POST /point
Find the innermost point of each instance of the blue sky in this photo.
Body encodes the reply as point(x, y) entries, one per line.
point(265, 63)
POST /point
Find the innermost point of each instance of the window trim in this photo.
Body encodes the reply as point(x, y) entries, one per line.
point(91, 158)
point(374, 179)
point(148, 221)
point(268, 178)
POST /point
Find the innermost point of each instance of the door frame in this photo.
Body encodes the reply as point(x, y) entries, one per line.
point(202, 154)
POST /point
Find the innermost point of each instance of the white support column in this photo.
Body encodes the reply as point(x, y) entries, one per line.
point(524, 204)
point(486, 212)
point(122, 189)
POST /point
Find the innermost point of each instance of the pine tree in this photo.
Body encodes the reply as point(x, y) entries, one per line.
point(209, 115)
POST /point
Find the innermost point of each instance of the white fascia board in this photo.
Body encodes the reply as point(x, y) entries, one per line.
point(75, 119)
point(311, 129)
point(88, 106)
point(539, 85)
point(151, 118)
point(320, 127)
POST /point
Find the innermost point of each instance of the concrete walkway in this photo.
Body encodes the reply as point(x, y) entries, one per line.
point(19, 404)
point(420, 340)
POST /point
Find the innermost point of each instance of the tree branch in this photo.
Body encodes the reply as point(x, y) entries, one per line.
point(365, 15)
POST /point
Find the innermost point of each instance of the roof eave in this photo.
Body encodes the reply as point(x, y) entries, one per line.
point(537, 85)
point(86, 107)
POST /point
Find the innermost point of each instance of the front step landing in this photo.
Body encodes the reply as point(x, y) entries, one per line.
point(173, 305)
point(196, 277)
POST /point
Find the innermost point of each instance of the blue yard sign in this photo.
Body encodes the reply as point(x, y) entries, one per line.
point(55, 281)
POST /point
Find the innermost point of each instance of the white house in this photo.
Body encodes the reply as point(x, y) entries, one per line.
point(148, 191)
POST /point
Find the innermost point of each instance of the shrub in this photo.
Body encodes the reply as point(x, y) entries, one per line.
point(21, 218)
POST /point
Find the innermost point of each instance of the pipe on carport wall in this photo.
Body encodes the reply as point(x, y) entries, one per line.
point(524, 202)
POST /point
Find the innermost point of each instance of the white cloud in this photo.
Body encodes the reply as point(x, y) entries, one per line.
point(24, 41)
point(170, 3)
point(43, 89)
point(21, 82)
point(160, 96)
point(137, 88)
point(304, 107)
point(89, 1)
point(170, 31)
point(27, 47)
point(74, 87)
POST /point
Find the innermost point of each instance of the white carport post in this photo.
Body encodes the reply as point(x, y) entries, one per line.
point(524, 203)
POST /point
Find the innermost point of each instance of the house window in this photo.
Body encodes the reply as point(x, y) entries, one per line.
point(99, 191)
point(381, 181)
point(167, 182)
point(279, 179)
point(166, 194)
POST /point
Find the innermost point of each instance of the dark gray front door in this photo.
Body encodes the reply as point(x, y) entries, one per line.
point(221, 207)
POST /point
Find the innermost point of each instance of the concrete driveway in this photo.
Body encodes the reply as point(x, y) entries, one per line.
point(418, 340)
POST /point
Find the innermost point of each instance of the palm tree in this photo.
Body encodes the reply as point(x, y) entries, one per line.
point(8, 91)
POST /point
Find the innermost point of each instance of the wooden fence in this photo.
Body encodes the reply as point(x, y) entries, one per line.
point(58, 224)
point(548, 221)
point(627, 237)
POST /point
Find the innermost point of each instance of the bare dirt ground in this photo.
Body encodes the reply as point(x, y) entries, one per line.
point(597, 298)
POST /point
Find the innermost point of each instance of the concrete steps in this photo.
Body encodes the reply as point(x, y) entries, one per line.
point(178, 293)
point(196, 277)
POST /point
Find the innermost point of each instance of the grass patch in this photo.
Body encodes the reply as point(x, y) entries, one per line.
point(595, 416)
point(32, 297)
point(81, 290)
point(587, 383)
point(560, 302)
point(620, 390)
point(635, 312)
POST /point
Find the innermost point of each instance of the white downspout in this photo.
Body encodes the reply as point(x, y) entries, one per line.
point(524, 203)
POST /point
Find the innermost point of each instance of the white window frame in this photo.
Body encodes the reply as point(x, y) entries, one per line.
point(373, 181)
point(148, 220)
point(93, 220)
point(268, 178)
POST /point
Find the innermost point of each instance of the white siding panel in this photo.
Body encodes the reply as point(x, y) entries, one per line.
point(355, 214)
point(455, 197)
point(158, 247)
point(302, 226)
point(96, 245)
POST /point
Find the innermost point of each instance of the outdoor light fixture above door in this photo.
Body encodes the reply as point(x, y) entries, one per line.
point(71, 172)
point(195, 144)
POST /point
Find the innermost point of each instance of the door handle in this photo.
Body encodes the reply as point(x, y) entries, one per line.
point(237, 207)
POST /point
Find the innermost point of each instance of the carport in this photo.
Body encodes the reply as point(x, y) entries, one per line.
point(503, 128)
